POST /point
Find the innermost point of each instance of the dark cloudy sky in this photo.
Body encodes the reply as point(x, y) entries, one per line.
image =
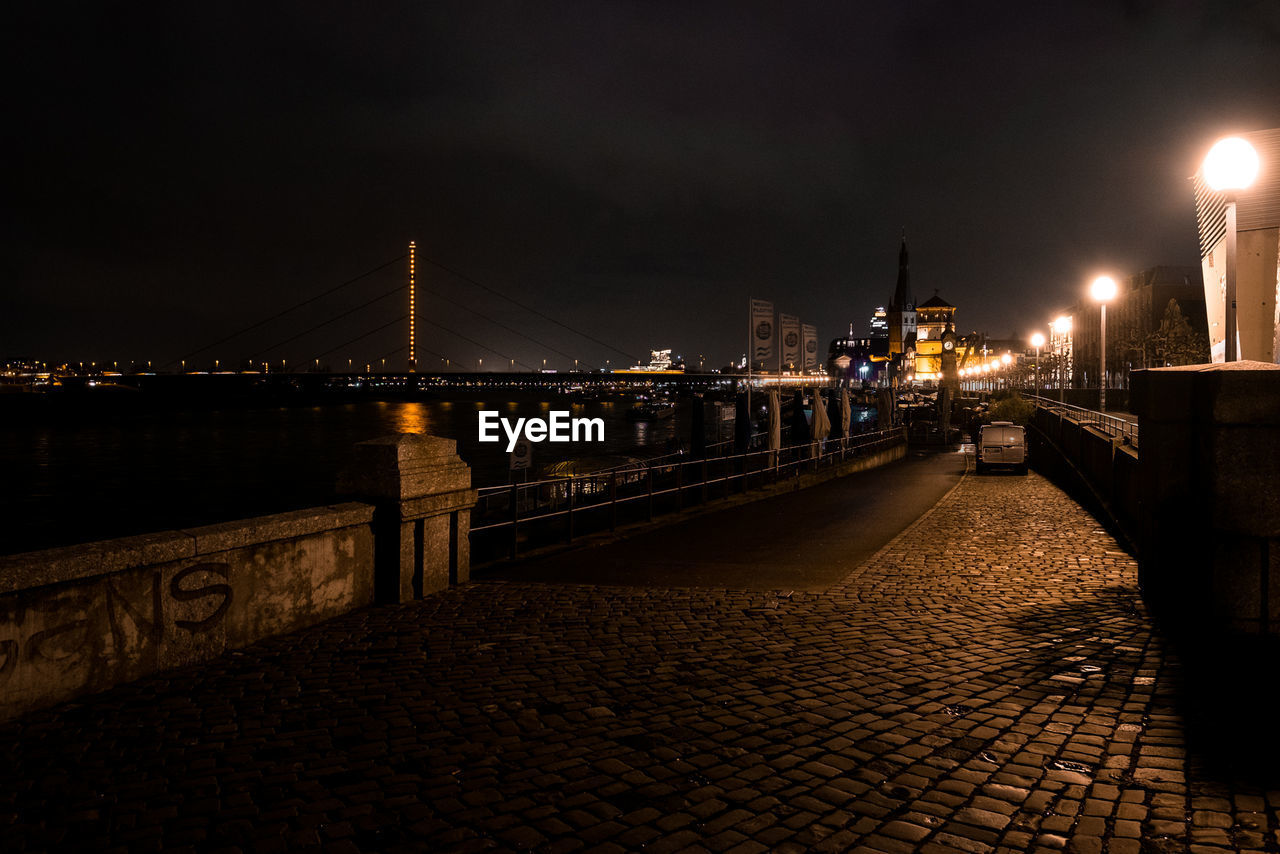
point(635, 170)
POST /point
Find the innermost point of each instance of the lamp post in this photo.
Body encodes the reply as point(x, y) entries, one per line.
point(1230, 165)
point(1103, 291)
point(1037, 341)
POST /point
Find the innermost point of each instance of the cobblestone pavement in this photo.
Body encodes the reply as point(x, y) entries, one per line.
point(987, 682)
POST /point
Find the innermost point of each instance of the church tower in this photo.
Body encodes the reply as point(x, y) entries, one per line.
point(902, 324)
point(902, 308)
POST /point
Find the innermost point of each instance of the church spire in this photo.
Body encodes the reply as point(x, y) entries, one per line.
point(902, 298)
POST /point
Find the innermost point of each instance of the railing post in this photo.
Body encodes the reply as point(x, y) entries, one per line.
point(613, 501)
point(679, 487)
point(571, 508)
point(650, 471)
point(704, 481)
point(515, 518)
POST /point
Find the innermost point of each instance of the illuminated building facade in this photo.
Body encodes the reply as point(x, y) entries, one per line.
point(1133, 317)
point(851, 361)
point(1061, 347)
point(660, 362)
point(936, 343)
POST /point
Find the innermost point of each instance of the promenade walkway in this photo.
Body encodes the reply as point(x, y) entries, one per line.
point(988, 681)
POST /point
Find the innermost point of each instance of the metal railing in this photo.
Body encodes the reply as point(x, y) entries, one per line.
point(1112, 425)
point(518, 516)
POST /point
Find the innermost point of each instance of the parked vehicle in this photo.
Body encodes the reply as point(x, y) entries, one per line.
point(1002, 443)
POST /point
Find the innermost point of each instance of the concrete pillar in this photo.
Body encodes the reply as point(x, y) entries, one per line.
point(422, 493)
point(1209, 493)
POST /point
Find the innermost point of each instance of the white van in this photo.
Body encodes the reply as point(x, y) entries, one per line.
point(1002, 443)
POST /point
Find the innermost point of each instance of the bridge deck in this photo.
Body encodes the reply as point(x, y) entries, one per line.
point(987, 680)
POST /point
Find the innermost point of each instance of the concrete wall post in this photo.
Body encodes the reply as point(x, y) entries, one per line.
point(422, 492)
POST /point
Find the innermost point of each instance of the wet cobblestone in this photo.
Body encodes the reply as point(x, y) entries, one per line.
point(987, 682)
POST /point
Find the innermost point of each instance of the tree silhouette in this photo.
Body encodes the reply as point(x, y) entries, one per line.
point(1175, 342)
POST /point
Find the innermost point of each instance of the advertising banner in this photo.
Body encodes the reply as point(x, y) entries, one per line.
point(790, 327)
point(762, 330)
point(810, 340)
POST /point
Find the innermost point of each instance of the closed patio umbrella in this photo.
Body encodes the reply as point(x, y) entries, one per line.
point(821, 426)
point(846, 413)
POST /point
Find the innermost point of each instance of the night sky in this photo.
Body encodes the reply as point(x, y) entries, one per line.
point(633, 170)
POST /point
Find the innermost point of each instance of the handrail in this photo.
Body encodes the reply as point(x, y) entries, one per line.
point(516, 505)
point(684, 459)
point(1110, 424)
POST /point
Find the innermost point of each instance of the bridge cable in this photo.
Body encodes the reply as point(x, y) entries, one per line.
point(499, 324)
point(457, 334)
point(399, 319)
point(404, 347)
point(291, 308)
point(333, 319)
point(527, 308)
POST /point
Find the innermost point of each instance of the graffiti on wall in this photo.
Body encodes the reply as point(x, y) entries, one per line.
point(111, 620)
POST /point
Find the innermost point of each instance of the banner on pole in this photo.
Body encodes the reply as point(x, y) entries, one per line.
point(790, 327)
point(762, 330)
point(521, 456)
point(810, 338)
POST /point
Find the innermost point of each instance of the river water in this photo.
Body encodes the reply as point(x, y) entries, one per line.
point(77, 476)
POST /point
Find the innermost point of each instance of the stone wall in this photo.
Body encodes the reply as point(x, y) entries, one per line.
point(1199, 496)
point(81, 619)
point(1104, 465)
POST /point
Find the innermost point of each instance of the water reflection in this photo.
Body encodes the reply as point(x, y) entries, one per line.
point(159, 469)
point(412, 417)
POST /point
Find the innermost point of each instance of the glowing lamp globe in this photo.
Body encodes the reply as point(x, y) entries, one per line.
point(1231, 164)
point(1006, 358)
point(1103, 289)
point(1037, 340)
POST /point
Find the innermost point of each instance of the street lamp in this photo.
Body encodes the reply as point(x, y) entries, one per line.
point(1103, 291)
point(1230, 165)
point(1037, 341)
